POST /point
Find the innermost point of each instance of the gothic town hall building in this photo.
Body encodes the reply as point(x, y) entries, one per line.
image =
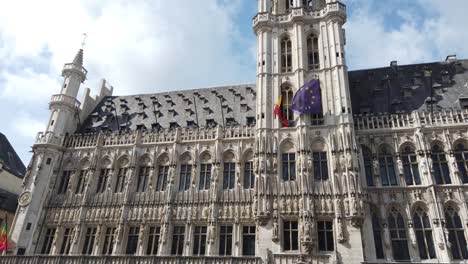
point(212, 175)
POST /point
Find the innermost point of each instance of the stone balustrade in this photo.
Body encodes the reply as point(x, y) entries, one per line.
point(127, 260)
point(49, 138)
point(335, 7)
point(162, 136)
point(410, 120)
point(65, 99)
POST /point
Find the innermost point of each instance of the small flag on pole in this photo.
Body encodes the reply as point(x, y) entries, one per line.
point(308, 99)
point(277, 111)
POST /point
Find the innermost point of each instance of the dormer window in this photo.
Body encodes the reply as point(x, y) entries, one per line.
point(156, 127)
point(173, 125)
point(210, 123)
point(189, 111)
point(231, 122)
point(173, 112)
point(191, 124)
point(208, 110)
point(251, 121)
point(463, 101)
point(141, 127)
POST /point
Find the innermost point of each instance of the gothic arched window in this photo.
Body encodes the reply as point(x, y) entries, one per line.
point(456, 234)
point(289, 4)
point(286, 102)
point(422, 227)
point(377, 230)
point(461, 155)
point(367, 157)
point(410, 166)
point(249, 177)
point(387, 167)
point(286, 55)
point(441, 170)
point(313, 52)
point(289, 166)
point(397, 229)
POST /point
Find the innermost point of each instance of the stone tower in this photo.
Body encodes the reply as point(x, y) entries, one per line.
point(297, 41)
point(47, 153)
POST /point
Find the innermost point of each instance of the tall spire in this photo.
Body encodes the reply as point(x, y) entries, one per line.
point(78, 60)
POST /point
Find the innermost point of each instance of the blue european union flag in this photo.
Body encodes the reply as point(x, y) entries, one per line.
point(308, 99)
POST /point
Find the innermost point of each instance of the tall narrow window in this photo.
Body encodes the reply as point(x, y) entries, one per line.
point(286, 103)
point(325, 235)
point(461, 155)
point(387, 168)
point(109, 238)
point(229, 175)
point(90, 237)
point(205, 176)
point(249, 177)
point(313, 52)
point(132, 240)
point(64, 181)
point(143, 175)
point(286, 55)
point(80, 185)
point(120, 184)
point(396, 225)
point(248, 240)
point(410, 167)
point(377, 230)
point(48, 239)
point(153, 240)
point(199, 242)
point(102, 180)
point(320, 166)
point(367, 157)
point(184, 177)
point(162, 178)
point(66, 241)
point(178, 240)
point(422, 227)
point(441, 170)
point(225, 241)
point(456, 234)
point(289, 166)
point(290, 235)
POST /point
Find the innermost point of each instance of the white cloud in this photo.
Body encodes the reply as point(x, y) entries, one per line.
point(372, 44)
point(27, 127)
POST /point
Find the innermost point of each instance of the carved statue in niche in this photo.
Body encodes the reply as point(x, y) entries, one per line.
point(262, 164)
point(430, 163)
point(349, 161)
point(343, 162)
point(255, 165)
point(275, 236)
point(400, 166)
point(275, 164)
point(341, 235)
point(423, 167)
point(375, 166)
point(419, 139)
point(274, 9)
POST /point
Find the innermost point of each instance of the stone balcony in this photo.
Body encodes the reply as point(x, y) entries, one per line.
point(49, 138)
point(127, 260)
point(62, 99)
point(335, 8)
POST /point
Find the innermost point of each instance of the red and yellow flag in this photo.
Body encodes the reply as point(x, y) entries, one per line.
point(3, 238)
point(277, 111)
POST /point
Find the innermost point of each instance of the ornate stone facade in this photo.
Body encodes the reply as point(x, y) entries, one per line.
point(154, 175)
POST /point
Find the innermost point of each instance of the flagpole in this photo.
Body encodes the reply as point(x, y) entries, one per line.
point(196, 111)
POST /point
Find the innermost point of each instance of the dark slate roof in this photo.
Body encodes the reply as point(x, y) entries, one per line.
point(11, 162)
point(8, 201)
point(383, 90)
point(175, 109)
point(406, 88)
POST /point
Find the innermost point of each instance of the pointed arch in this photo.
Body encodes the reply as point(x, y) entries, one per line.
point(456, 236)
point(367, 159)
point(248, 172)
point(286, 53)
point(440, 163)
point(398, 235)
point(460, 149)
point(423, 230)
point(387, 165)
point(288, 159)
point(287, 94)
point(313, 55)
point(410, 164)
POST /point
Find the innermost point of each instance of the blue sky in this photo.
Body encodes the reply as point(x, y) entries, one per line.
point(147, 46)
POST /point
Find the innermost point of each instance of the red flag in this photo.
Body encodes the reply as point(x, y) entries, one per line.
point(3, 238)
point(277, 111)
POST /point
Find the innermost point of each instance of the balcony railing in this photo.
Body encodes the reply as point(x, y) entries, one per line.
point(127, 260)
point(64, 99)
point(411, 120)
